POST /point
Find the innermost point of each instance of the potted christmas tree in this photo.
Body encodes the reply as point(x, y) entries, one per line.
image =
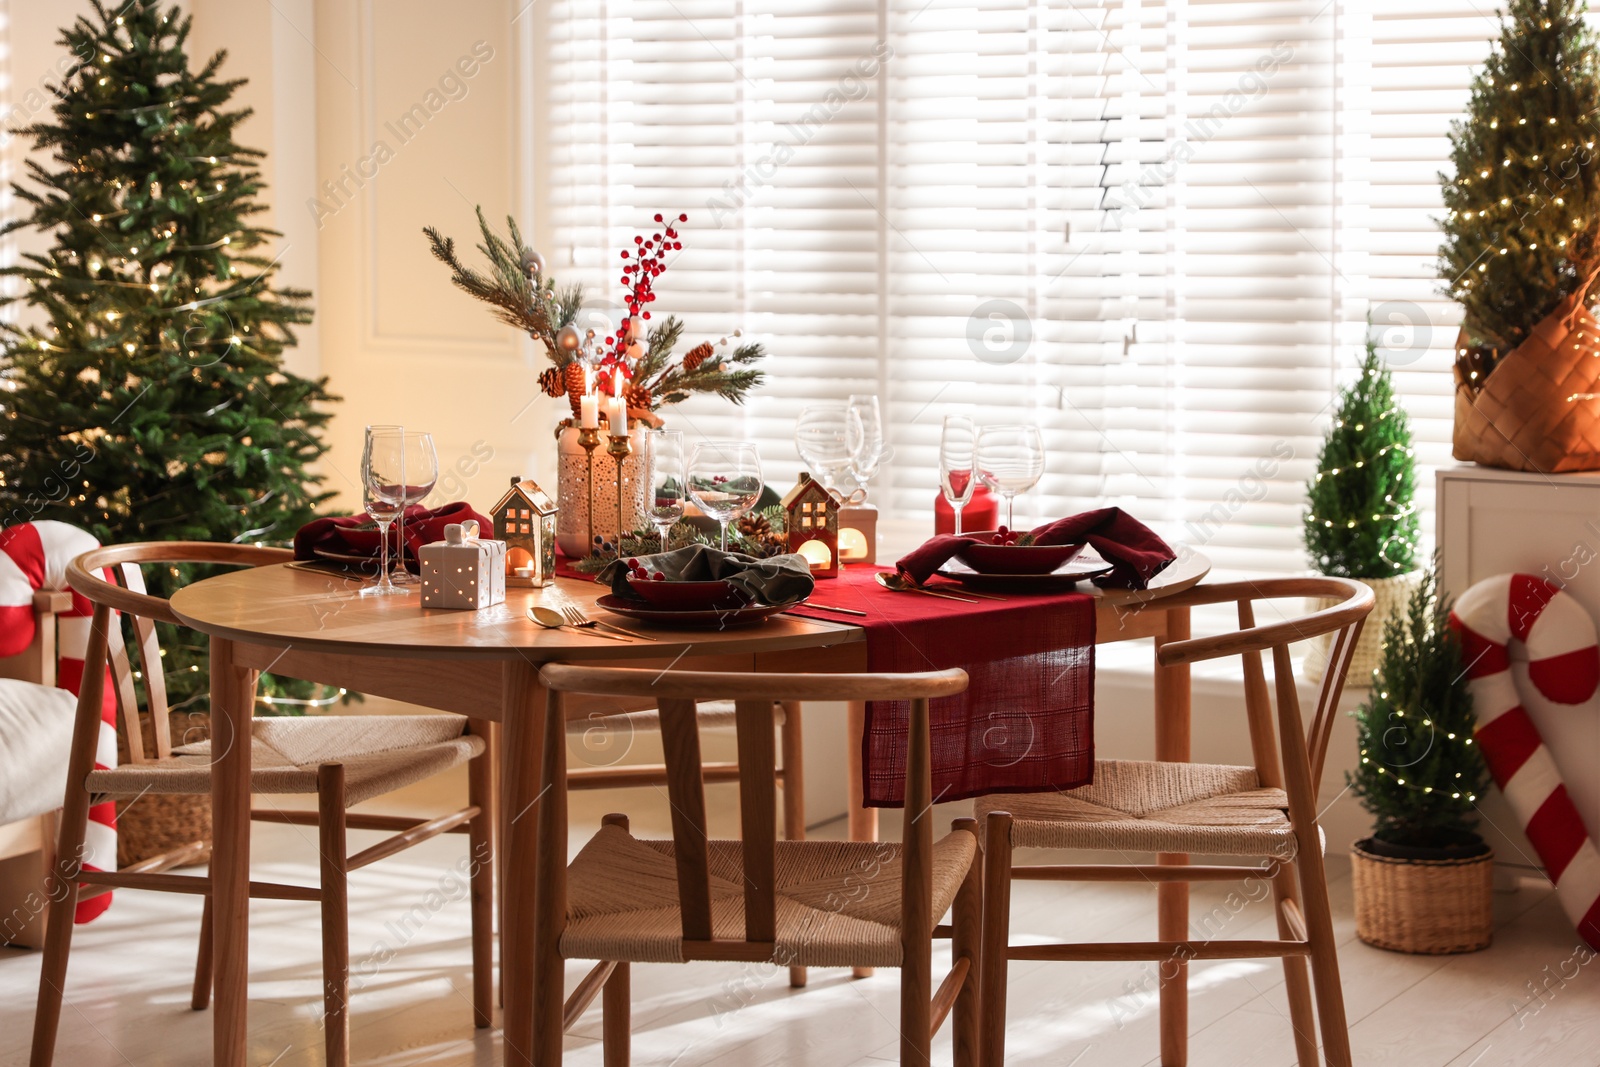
point(1522, 245)
point(1423, 879)
point(147, 397)
point(1362, 521)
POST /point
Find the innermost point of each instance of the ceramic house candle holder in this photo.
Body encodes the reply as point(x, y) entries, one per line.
point(525, 519)
point(464, 571)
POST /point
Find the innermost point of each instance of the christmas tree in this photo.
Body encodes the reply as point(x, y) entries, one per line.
point(148, 396)
point(1524, 202)
point(1362, 522)
point(1420, 773)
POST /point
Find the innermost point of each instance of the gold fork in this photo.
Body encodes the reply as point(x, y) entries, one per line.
point(575, 617)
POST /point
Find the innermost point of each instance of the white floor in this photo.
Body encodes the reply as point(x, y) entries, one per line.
point(129, 985)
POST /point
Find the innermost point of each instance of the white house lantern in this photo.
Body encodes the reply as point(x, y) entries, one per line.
point(525, 519)
point(463, 571)
point(858, 533)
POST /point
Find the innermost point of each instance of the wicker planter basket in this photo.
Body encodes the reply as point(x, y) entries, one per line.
point(1539, 408)
point(1391, 596)
point(1425, 907)
point(154, 824)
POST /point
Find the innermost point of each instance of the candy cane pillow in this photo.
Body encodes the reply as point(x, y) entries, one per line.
point(1564, 665)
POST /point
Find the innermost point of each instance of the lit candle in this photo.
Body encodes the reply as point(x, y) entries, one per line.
point(617, 413)
point(589, 411)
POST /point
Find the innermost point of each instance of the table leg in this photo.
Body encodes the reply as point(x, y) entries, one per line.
point(1172, 692)
point(863, 820)
point(233, 697)
point(521, 753)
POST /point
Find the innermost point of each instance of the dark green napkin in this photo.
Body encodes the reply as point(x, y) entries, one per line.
point(774, 580)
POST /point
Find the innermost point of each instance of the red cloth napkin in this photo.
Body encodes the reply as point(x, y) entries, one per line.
point(1025, 723)
point(357, 535)
point(1135, 553)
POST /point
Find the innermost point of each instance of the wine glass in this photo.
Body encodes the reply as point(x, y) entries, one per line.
point(382, 460)
point(958, 463)
point(867, 446)
point(665, 450)
point(724, 480)
point(1010, 460)
point(419, 474)
point(823, 435)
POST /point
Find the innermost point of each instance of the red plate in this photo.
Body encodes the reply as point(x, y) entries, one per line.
point(1016, 559)
point(717, 595)
point(695, 620)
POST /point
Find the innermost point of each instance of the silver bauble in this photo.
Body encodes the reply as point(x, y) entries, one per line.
point(532, 264)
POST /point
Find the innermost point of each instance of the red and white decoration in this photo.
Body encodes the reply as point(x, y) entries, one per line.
point(1564, 665)
point(34, 556)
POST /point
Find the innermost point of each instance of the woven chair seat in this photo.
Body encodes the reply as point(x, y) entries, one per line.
point(711, 714)
point(838, 902)
point(380, 753)
point(1142, 806)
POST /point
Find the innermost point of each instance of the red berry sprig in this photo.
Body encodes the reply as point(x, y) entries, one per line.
point(645, 262)
point(1003, 536)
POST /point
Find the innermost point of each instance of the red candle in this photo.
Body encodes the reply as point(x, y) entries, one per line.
point(981, 513)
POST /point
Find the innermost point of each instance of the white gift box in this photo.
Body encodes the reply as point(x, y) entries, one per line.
point(463, 571)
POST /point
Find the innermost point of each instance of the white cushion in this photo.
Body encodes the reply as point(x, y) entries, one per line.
point(35, 738)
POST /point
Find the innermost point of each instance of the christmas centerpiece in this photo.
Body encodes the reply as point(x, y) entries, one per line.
point(1423, 879)
point(1362, 522)
point(1520, 248)
point(617, 376)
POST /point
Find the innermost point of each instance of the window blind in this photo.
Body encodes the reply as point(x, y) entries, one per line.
point(1153, 229)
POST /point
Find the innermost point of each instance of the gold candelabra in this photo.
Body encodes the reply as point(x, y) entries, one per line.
point(621, 447)
point(589, 440)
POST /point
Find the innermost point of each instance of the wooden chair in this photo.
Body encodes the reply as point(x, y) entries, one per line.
point(342, 760)
point(820, 903)
point(29, 802)
point(1268, 810)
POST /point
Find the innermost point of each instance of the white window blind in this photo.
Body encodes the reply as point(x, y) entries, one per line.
point(1154, 229)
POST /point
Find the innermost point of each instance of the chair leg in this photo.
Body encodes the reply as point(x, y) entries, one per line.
point(1296, 979)
point(1324, 958)
point(616, 1022)
point(63, 892)
point(480, 840)
point(794, 795)
point(1172, 976)
point(200, 999)
point(335, 914)
point(967, 944)
point(996, 937)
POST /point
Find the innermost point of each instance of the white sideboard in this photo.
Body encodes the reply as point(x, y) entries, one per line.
point(1494, 522)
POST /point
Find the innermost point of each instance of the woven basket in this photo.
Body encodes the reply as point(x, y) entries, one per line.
point(1425, 907)
point(1539, 408)
point(157, 823)
point(1391, 596)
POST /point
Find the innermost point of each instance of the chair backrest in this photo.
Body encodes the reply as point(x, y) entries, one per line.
point(86, 575)
point(1294, 759)
point(675, 694)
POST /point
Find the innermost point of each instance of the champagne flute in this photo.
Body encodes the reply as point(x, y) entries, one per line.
point(1011, 460)
point(725, 480)
point(822, 435)
point(381, 465)
point(665, 450)
point(867, 446)
point(958, 463)
point(419, 474)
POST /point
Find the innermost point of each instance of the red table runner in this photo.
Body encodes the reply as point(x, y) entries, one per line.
point(1025, 723)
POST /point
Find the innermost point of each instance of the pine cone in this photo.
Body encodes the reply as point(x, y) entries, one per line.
point(755, 527)
point(638, 396)
point(697, 355)
point(553, 382)
point(573, 373)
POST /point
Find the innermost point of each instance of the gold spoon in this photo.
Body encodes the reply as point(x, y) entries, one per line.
point(551, 619)
point(895, 583)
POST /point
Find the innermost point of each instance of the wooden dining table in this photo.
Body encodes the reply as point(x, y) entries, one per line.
point(309, 623)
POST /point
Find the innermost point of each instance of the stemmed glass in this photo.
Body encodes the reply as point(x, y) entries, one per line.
point(823, 435)
point(1010, 460)
point(382, 461)
point(725, 480)
point(867, 447)
point(419, 474)
point(958, 463)
point(665, 450)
